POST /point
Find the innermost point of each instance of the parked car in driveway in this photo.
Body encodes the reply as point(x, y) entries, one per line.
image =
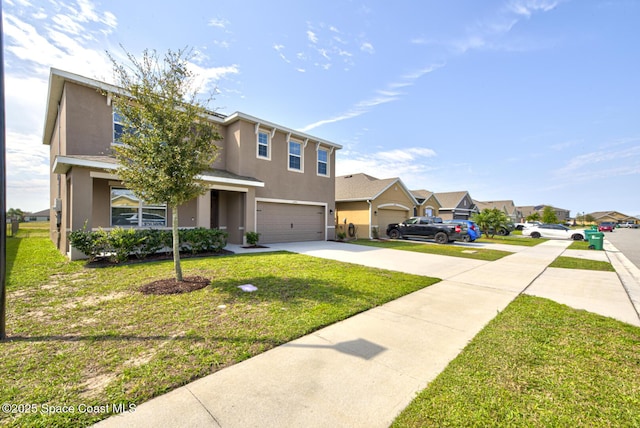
point(473, 230)
point(629, 225)
point(606, 226)
point(520, 226)
point(553, 231)
point(427, 227)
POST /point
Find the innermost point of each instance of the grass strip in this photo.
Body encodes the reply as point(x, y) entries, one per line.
point(432, 248)
point(538, 363)
point(578, 263)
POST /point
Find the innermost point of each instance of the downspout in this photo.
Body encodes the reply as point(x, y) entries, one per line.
point(370, 218)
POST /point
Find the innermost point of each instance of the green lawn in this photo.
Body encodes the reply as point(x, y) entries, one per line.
point(577, 263)
point(432, 248)
point(538, 364)
point(87, 336)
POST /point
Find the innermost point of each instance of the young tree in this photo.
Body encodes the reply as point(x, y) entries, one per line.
point(15, 214)
point(490, 220)
point(535, 216)
point(167, 140)
point(549, 215)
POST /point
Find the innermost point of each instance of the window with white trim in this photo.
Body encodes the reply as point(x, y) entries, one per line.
point(323, 162)
point(127, 210)
point(263, 145)
point(295, 156)
point(118, 127)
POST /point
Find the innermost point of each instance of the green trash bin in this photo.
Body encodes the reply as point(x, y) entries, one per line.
point(596, 241)
point(594, 227)
point(588, 233)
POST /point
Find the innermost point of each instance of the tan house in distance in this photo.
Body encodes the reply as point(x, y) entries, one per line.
point(456, 205)
point(428, 204)
point(562, 214)
point(267, 178)
point(614, 216)
point(365, 204)
point(507, 206)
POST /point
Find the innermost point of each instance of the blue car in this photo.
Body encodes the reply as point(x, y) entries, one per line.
point(472, 229)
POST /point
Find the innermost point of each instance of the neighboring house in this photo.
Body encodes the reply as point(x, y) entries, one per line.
point(43, 215)
point(267, 178)
point(562, 214)
point(428, 204)
point(614, 216)
point(365, 205)
point(456, 205)
point(506, 206)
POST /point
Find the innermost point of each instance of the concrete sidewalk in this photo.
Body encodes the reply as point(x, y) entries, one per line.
point(363, 371)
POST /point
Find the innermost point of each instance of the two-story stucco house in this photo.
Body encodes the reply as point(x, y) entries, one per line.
point(267, 178)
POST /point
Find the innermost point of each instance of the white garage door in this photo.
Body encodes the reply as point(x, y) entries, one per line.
point(290, 222)
point(387, 216)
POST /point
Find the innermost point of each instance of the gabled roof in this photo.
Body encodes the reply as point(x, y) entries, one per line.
point(363, 187)
point(423, 195)
point(506, 205)
point(600, 214)
point(43, 213)
point(450, 200)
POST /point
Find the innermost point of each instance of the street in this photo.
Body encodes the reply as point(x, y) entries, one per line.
point(628, 242)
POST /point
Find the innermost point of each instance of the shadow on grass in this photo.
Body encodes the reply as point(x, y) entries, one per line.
point(13, 244)
point(97, 338)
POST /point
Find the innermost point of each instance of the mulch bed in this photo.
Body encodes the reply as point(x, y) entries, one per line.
point(172, 286)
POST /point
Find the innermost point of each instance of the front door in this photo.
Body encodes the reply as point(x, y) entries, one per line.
point(214, 210)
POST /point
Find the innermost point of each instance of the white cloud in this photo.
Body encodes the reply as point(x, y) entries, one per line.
point(413, 163)
point(367, 47)
point(528, 7)
point(206, 77)
point(218, 23)
point(385, 96)
point(312, 36)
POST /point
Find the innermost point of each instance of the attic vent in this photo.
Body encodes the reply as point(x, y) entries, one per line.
point(349, 176)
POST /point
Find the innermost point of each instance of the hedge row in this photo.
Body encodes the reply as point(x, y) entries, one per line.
point(118, 244)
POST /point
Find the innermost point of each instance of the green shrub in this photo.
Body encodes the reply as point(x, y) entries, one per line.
point(122, 243)
point(252, 238)
point(151, 241)
point(119, 243)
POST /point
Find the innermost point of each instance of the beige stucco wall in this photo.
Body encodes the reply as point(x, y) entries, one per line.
point(85, 127)
point(393, 198)
point(89, 121)
point(356, 213)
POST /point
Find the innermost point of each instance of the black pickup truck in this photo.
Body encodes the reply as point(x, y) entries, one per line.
point(427, 227)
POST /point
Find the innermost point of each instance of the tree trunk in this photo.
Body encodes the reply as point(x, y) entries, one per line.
point(176, 243)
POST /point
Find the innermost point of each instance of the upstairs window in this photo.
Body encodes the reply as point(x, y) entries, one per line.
point(323, 162)
point(263, 145)
point(295, 156)
point(118, 127)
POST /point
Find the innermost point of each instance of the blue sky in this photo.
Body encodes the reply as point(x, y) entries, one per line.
point(537, 101)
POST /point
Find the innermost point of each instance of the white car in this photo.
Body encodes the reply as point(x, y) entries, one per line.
point(554, 231)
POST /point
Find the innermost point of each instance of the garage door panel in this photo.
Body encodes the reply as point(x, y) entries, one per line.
point(290, 222)
point(388, 216)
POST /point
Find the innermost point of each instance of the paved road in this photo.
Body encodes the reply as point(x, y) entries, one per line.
point(628, 242)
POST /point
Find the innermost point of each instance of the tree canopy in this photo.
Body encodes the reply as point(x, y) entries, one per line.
point(490, 220)
point(167, 139)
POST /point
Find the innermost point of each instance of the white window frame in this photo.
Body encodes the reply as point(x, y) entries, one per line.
point(268, 144)
point(142, 205)
point(327, 162)
point(301, 155)
point(115, 122)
